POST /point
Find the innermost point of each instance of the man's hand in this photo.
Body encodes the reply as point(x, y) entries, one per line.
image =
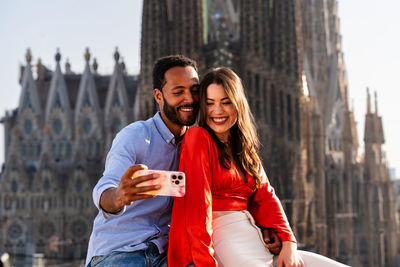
point(289, 257)
point(114, 199)
point(273, 242)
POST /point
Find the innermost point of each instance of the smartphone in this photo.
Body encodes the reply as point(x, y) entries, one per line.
point(172, 182)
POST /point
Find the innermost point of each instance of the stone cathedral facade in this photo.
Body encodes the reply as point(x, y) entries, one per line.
point(288, 52)
point(339, 202)
point(56, 143)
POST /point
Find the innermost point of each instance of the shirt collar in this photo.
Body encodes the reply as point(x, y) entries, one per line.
point(163, 129)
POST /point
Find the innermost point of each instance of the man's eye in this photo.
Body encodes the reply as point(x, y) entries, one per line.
point(195, 89)
point(177, 92)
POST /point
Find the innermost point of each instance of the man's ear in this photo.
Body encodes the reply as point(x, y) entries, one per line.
point(158, 96)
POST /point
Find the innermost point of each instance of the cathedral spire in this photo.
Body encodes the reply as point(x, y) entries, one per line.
point(116, 54)
point(87, 55)
point(122, 65)
point(29, 97)
point(58, 56)
point(40, 70)
point(95, 65)
point(28, 56)
point(68, 69)
point(368, 102)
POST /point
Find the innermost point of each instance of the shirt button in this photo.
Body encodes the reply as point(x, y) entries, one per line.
point(167, 140)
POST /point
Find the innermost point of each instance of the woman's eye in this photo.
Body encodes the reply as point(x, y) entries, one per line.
point(209, 104)
point(227, 103)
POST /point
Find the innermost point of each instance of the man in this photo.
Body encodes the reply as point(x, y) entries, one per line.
point(132, 227)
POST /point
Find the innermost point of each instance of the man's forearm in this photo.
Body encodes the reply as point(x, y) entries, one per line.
point(108, 201)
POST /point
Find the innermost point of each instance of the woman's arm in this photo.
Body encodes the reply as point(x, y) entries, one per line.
point(267, 210)
point(195, 161)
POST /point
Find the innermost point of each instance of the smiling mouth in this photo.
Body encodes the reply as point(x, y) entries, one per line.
point(186, 109)
point(219, 120)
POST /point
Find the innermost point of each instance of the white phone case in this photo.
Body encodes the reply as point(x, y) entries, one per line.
point(172, 182)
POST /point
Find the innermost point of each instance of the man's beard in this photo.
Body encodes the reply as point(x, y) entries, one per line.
point(172, 114)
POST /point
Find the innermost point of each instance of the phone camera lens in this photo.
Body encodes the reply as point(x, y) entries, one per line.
point(174, 176)
point(176, 182)
point(180, 177)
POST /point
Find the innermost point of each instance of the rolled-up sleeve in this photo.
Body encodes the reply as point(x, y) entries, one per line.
point(121, 156)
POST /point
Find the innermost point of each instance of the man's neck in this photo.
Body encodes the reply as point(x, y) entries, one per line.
point(177, 130)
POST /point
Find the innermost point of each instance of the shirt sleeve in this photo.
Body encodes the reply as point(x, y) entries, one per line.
point(121, 156)
point(195, 161)
point(267, 210)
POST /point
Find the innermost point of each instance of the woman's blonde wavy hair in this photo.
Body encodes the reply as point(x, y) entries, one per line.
point(243, 135)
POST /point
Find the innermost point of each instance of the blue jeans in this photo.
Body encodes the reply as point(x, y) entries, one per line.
point(142, 258)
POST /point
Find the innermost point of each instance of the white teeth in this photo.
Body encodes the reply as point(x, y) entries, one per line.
point(187, 109)
point(219, 119)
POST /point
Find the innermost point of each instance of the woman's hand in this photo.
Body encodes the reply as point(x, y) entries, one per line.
point(289, 257)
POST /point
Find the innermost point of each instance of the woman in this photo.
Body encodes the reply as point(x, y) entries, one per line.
point(228, 196)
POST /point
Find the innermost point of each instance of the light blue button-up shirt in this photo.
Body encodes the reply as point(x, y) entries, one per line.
point(143, 142)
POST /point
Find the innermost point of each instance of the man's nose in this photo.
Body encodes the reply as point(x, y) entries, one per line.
point(189, 97)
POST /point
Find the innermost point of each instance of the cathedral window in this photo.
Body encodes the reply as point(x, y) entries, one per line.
point(98, 148)
point(14, 186)
point(47, 229)
point(86, 102)
point(46, 185)
point(57, 126)
point(78, 185)
point(27, 101)
point(14, 165)
point(23, 149)
point(91, 149)
point(38, 149)
point(57, 102)
point(61, 149)
point(69, 149)
point(54, 149)
point(79, 228)
point(31, 150)
point(7, 203)
point(15, 231)
point(116, 124)
point(40, 246)
point(28, 126)
point(87, 125)
point(116, 101)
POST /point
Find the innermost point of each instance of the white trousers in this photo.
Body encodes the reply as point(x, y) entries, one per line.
point(238, 242)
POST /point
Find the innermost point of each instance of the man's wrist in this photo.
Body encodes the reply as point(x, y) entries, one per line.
point(109, 201)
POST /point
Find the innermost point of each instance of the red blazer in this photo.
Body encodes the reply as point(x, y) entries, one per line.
point(210, 187)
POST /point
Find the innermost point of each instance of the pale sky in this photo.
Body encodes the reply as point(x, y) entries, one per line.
point(371, 46)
